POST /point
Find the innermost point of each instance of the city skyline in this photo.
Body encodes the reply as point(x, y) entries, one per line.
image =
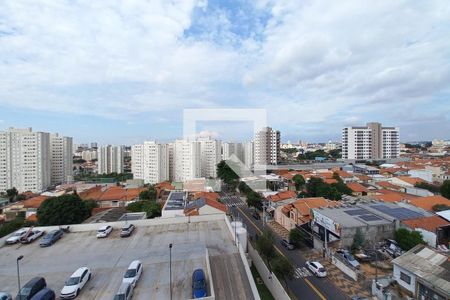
point(127, 76)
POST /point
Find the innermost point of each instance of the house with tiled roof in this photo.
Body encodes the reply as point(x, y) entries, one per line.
point(407, 181)
point(427, 203)
point(435, 230)
point(112, 196)
point(392, 196)
point(299, 212)
point(32, 204)
point(357, 189)
point(204, 206)
point(389, 186)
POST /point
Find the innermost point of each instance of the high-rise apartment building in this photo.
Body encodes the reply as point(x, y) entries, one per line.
point(150, 162)
point(248, 155)
point(187, 160)
point(210, 156)
point(110, 159)
point(267, 147)
point(61, 159)
point(370, 142)
point(32, 161)
point(237, 149)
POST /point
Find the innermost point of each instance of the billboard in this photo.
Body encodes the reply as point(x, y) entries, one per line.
point(326, 222)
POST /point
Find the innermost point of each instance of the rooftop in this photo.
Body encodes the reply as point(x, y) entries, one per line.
point(427, 203)
point(428, 223)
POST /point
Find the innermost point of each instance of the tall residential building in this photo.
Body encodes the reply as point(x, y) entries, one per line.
point(370, 142)
point(61, 159)
point(110, 159)
point(187, 164)
point(210, 156)
point(170, 150)
point(229, 149)
point(150, 162)
point(30, 161)
point(267, 147)
point(89, 155)
point(248, 154)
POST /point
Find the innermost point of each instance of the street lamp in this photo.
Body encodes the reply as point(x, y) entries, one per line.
point(18, 274)
point(170, 269)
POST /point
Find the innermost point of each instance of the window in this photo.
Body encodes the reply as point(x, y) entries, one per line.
point(405, 278)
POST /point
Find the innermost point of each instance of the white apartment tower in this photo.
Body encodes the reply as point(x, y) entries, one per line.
point(248, 154)
point(370, 142)
point(150, 162)
point(210, 156)
point(110, 159)
point(61, 159)
point(30, 161)
point(187, 163)
point(229, 149)
point(267, 147)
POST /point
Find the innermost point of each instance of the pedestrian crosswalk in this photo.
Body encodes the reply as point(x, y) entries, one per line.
point(235, 204)
point(302, 272)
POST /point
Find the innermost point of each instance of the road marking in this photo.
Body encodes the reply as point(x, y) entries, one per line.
point(302, 272)
point(279, 251)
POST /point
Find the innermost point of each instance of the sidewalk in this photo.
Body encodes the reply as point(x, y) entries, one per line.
point(278, 229)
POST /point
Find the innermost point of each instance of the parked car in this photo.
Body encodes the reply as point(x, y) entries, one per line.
point(316, 268)
point(51, 238)
point(133, 273)
point(31, 236)
point(75, 283)
point(199, 284)
point(127, 230)
point(125, 292)
point(392, 248)
point(31, 288)
point(104, 231)
point(44, 294)
point(287, 245)
point(16, 236)
point(5, 296)
point(256, 216)
point(345, 254)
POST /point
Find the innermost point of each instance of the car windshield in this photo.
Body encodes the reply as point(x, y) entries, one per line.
point(18, 233)
point(101, 230)
point(350, 257)
point(25, 291)
point(130, 273)
point(119, 297)
point(47, 237)
point(321, 269)
point(73, 281)
point(199, 284)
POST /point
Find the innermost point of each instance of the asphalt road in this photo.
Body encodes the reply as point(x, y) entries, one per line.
point(304, 285)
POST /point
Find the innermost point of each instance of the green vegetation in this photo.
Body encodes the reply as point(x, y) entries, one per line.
point(299, 182)
point(65, 209)
point(408, 239)
point(11, 226)
point(116, 177)
point(358, 240)
point(12, 194)
point(440, 207)
point(283, 268)
point(290, 150)
point(149, 194)
point(445, 189)
point(151, 208)
point(254, 199)
point(296, 237)
point(263, 291)
point(332, 154)
point(316, 187)
point(430, 187)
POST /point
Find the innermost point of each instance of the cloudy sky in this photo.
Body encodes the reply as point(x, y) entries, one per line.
point(123, 71)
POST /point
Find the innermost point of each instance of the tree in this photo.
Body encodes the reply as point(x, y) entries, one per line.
point(430, 187)
point(254, 199)
point(264, 244)
point(12, 193)
point(408, 239)
point(151, 208)
point(90, 205)
point(296, 237)
point(244, 188)
point(65, 209)
point(299, 181)
point(358, 240)
point(335, 153)
point(440, 207)
point(445, 189)
point(283, 268)
point(225, 173)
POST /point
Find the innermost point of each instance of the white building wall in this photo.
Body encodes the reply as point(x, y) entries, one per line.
point(267, 147)
point(426, 175)
point(187, 165)
point(248, 154)
point(110, 159)
point(150, 162)
point(210, 156)
point(396, 274)
point(61, 160)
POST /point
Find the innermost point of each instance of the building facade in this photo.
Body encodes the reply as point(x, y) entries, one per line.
point(110, 159)
point(267, 147)
point(150, 162)
point(370, 142)
point(32, 161)
point(210, 156)
point(186, 160)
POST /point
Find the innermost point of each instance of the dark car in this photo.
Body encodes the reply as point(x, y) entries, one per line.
point(287, 245)
point(127, 230)
point(51, 237)
point(199, 284)
point(44, 294)
point(31, 288)
point(256, 215)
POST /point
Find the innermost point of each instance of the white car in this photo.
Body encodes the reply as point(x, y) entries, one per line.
point(5, 296)
point(316, 268)
point(104, 231)
point(31, 236)
point(75, 283)
point(133, 273)
point(15, 238)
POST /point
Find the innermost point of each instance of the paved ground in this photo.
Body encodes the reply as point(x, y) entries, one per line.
point(109, 258)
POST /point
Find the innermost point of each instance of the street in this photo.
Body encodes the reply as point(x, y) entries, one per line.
point(304, 285)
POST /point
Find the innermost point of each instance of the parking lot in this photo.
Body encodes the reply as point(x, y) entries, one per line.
point(109, 258)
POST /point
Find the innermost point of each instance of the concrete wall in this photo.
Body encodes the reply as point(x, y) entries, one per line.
point(353, 274)
point(270, 280)
point(396, 274)
point(370, 233)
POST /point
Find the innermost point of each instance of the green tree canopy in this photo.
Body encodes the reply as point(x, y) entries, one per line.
point(296, 237)
point(430, 187)
point(299, 182)
point(12, 193)
point(408, 239)
point(65, 209)
point(254, 199)
point(244, 188)
point(283, 268)
point(358, 240)
point(264, 244)
point(445, 189)
point(440, 207)
point(151, 208)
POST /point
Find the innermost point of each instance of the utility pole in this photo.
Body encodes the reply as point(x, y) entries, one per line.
point(18, 275)
point(170, 269)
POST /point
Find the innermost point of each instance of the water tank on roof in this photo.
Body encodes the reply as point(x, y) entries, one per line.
point(241, 233)
point(236, 224)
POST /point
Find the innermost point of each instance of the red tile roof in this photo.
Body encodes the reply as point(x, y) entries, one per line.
point(388, 185)
point(34, 202)
point(357, 187)
point(427, 223)
point(282, 196)
point(411, 180)
point(427, 203)
point(112, 193)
